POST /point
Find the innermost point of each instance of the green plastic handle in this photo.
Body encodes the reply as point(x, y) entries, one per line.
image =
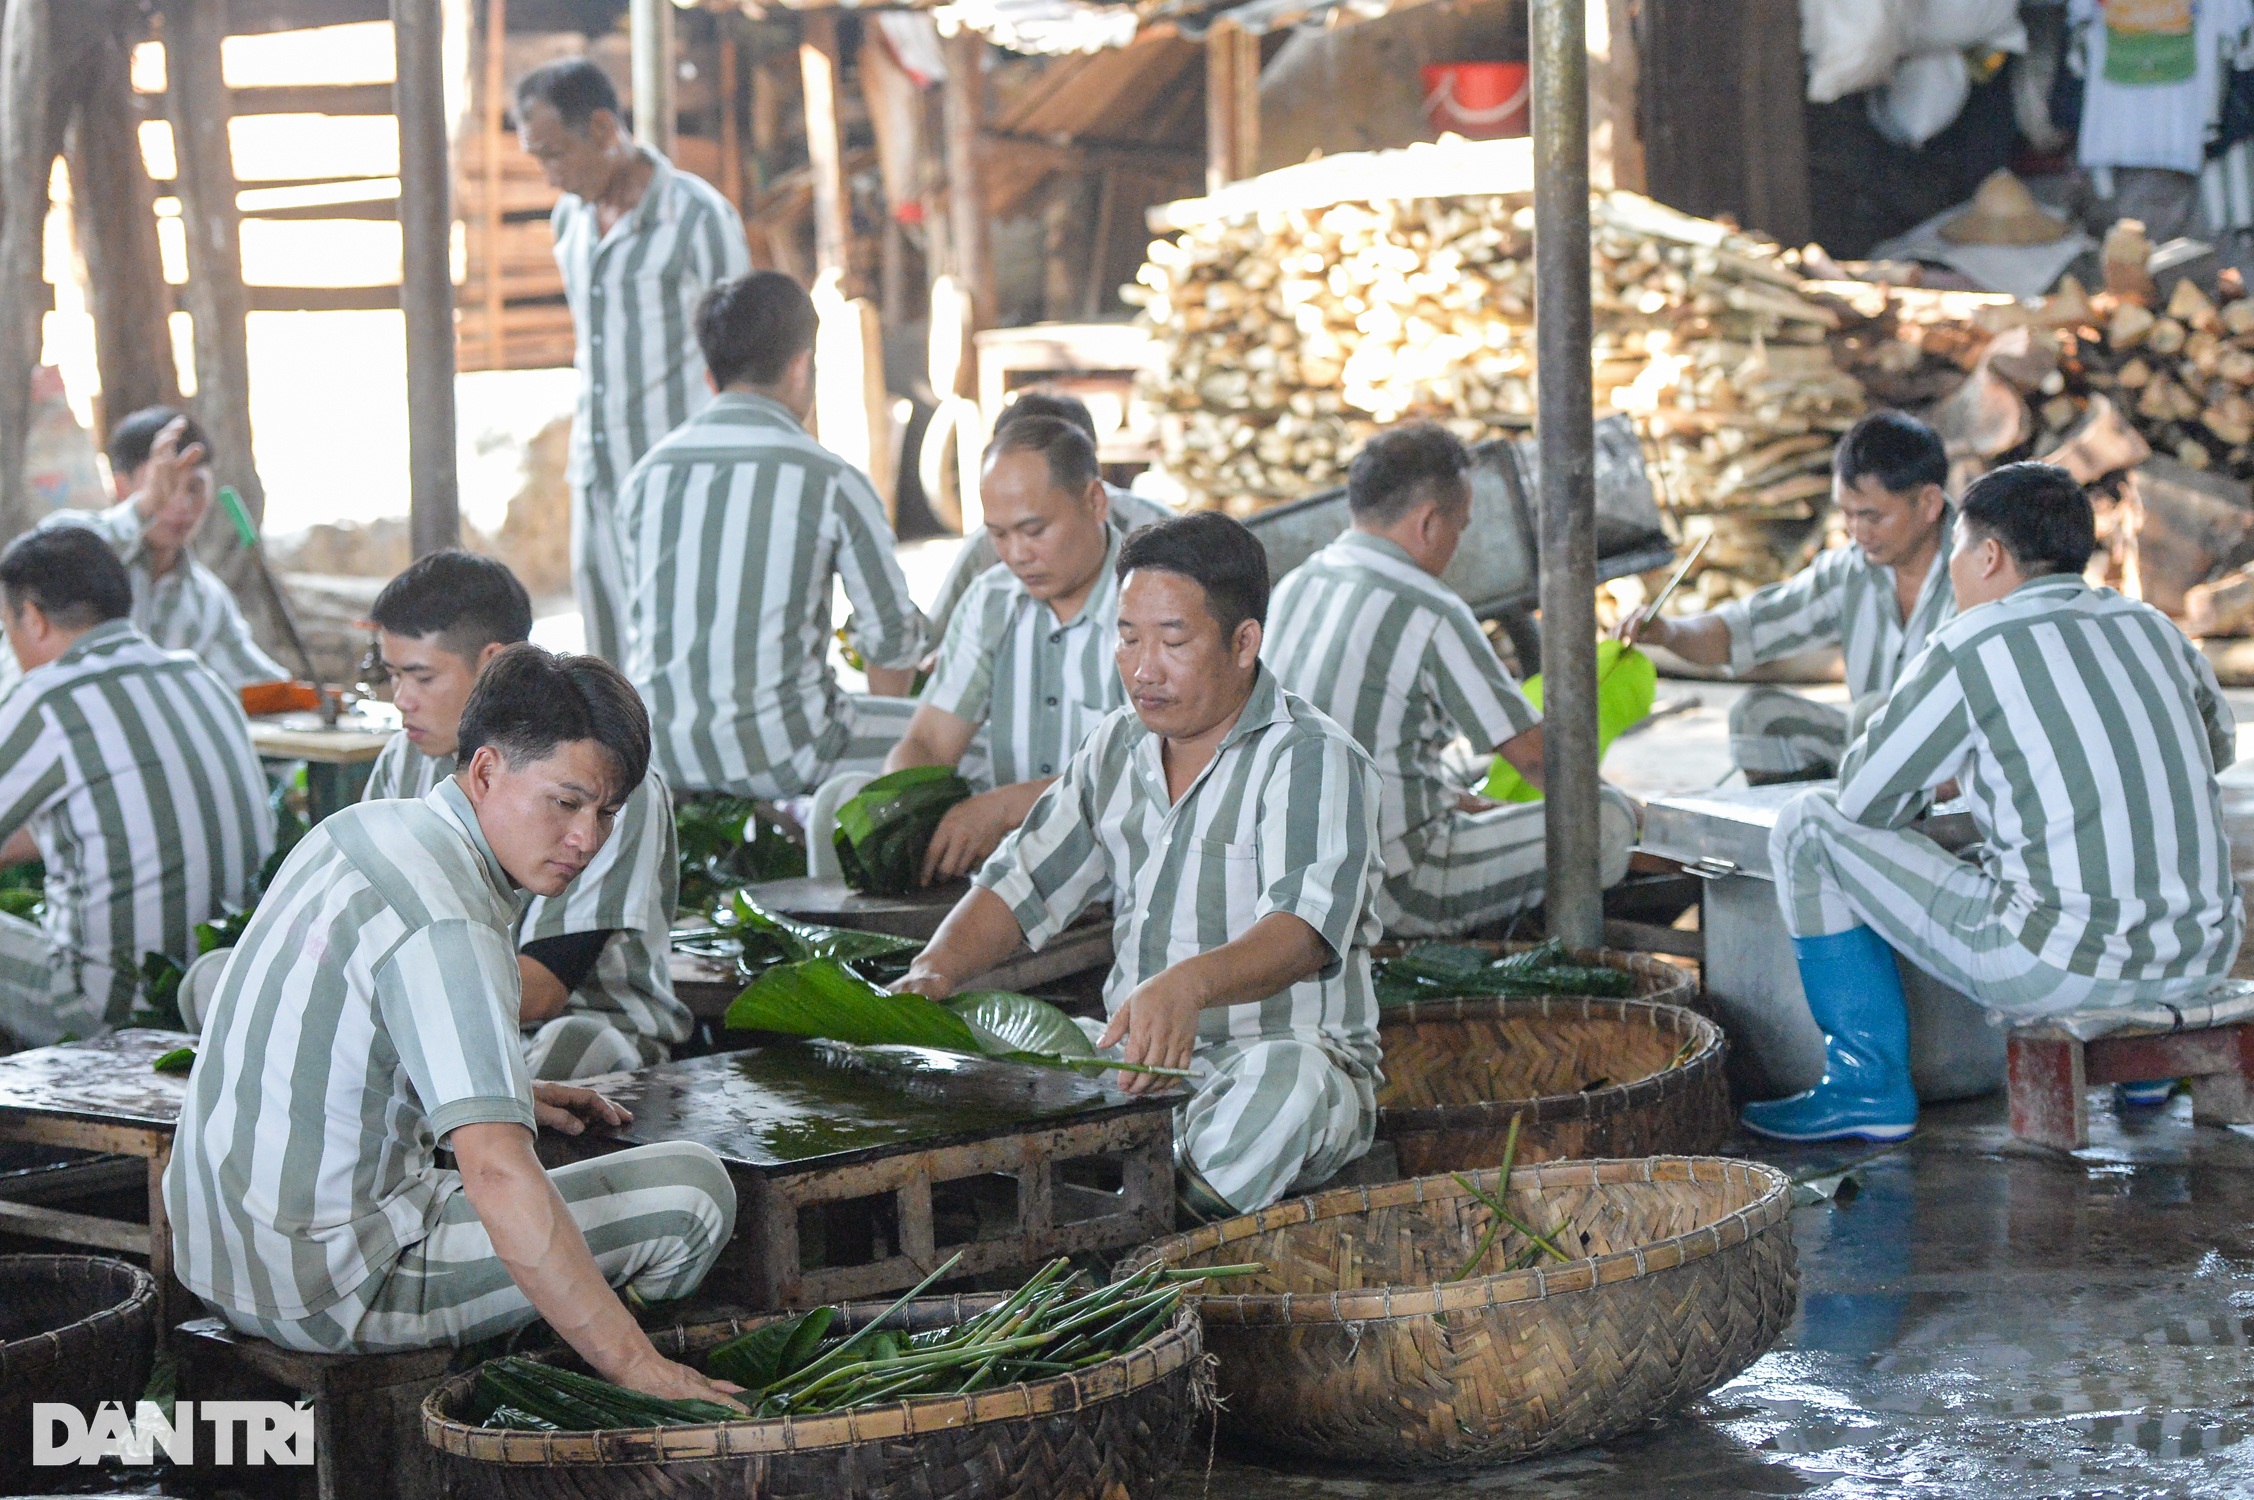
point(245, 528)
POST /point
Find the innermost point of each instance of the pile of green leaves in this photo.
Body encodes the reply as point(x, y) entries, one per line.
point(882, 834)
point(23, 890)
point(529, 1396)
point(1446, 971)
point(725, 842)
point(756, 939)
point(822, 998)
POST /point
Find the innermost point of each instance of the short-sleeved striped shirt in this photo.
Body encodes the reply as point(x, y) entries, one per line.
point(1039, 687)
point(2086, 732)
point(133, 768)
point(629, 889)
point(731, 530)
point(1843, 599)
point(188, 609)
point(1395, 655)
point(1284, 819)
point(1128, 511)
point(370, 1009)
point(633, 295)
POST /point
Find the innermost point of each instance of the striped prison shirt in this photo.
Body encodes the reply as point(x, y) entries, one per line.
point(1128, 512)
point(1395, 655)
point(633, 295)
point(1284, 819)
point(188, 609)
point(1038, 686)
point(629, 890)
point(133, 769)
point(370, 1009)
point(2085, 731)
point(1843, 599)
point(732, 529)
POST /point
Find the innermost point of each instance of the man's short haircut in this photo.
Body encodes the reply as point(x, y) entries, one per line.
point(2040, 514)
point(571, 86)
point(1403, 467)
point(753, 327)
point(467, 601)
point(1900, 452)
point(135, 435)
point(70, 573)
point(1216, 553)
point(528, 701)
point(1071, 457)
point(1046, 401)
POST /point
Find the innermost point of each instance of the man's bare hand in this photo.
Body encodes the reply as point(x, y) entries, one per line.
point(166, 478)
point(929, 983)
point(972, 829)
point(1641, 625)
point(658, 1376)
point(1158, 1026)
point(1472, 802)
point(568, 1109)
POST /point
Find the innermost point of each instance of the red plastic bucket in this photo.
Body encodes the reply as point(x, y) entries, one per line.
point(1482, 100)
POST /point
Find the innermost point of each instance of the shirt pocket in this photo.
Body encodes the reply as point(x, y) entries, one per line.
point(1239, 867)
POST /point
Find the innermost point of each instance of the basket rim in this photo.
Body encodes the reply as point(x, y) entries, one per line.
point(1673, 978)
point(1547, 1109)
point(1177, 1349)
point(19, 1357)
point(1770, 1207)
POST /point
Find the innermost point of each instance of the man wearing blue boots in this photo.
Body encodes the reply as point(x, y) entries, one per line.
point(2085, 731)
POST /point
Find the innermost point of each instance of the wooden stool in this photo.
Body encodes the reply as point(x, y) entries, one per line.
point(2050, 1072)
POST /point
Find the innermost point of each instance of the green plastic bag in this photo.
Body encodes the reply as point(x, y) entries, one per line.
point(1627, 686)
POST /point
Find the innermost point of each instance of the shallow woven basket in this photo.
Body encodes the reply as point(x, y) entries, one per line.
point(76, 1329)
point(1110, 1432)
point(1352, 1347)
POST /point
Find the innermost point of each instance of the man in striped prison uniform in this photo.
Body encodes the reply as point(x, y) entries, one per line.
point(639, 243)
point(1366, 631)
point(1878, 600)
point(594, 961)
point(2086, 733)
point(1233, 829)
point(160, 465)
point(369, 1017)
point(1028, 661)
point(733, 530)
point(127, 769)
point(1129, 512)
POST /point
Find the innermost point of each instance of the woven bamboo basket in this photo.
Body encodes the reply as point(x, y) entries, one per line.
point(1111, 1432)
point(75, 1329)
point(1352, 1347)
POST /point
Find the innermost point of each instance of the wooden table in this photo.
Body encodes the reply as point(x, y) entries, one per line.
point(857, 1170)
point(99, 1096)
point(336, 759)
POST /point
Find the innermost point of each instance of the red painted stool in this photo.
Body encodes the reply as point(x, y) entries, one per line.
point(2050, 1072)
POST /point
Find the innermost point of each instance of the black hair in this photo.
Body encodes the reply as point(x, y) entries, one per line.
point(1402, 467)
point(2040, 514)
point(1071, 457)
point(753, 327)
point(571, 86)
point(70, 573)
point(1900, 452)
point(467, 601)
point(528, 701)
point(135, 435)
point(1046, 401)
point(1216, 553)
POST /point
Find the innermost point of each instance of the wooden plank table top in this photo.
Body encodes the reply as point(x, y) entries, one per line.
point(107, 1083)
point(302, 736)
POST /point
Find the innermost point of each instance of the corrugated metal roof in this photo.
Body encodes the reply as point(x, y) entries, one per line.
point(1065, 26)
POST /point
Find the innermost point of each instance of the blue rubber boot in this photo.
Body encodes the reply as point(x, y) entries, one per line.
point(1855, 994)
point(2150, 1094)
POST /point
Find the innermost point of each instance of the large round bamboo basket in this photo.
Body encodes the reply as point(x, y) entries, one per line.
point(74, 1329)
point(1111, 1432)
point(1353, 1348)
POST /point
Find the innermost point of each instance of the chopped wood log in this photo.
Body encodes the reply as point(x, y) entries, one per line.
point(2223, 606)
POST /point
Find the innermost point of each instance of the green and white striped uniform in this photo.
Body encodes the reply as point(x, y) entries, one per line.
point(2086, 732)
point(132, 767)
point(1841, 599)
point(1284, 819)
point(1036, 687)
point(188, 609)
point(1129, 513)
point(633, 294)
point(733, 529)
point(369, 1010)
point(624, 1014)
point(1395, 655)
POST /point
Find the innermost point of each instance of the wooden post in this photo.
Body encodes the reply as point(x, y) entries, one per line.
point(966, 176)
point(114, 206)
point(1232, 105)
point(825, 148)
point(26, 161)
point(492, 141)
point(651, 30)
point(731, 147)
point(426, 283)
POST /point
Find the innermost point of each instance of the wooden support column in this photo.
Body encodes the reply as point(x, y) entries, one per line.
point(113, 205)
point(426, 283)
point(27, 157)
point(825, 146)
point(492, 122)
point(1232, 105)
point(651, 31)
point(731, 146)
point(966, 176)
